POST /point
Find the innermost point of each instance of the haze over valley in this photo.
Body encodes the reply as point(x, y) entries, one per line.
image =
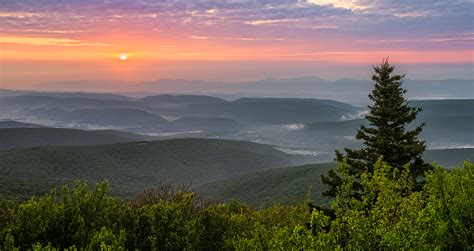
point(307, 126)
point(73, 128)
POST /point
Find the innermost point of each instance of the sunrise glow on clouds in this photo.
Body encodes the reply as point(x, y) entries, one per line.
point(89, 35)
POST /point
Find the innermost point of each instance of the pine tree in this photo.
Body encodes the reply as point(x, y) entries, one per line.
point(387, 134)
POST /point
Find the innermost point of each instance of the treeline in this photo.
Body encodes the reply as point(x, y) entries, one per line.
point(387, 215)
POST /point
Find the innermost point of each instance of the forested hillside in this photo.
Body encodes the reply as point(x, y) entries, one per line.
point(292, 184)
point(270, 187)
point(30, 137)
point(132, 167)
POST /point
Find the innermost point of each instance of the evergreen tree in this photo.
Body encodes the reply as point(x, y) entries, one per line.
point(387, 134)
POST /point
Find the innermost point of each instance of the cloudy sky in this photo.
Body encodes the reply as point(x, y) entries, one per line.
point(233, 40)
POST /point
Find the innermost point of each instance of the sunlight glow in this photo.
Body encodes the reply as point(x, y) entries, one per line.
point(123, 57)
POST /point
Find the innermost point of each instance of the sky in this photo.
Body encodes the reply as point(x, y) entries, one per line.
point(234, 40)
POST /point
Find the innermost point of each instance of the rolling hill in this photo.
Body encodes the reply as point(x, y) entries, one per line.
point(5, 92)
point(338, 128)
point(17, 124)
point(448, 124)
point(78, 103)
point(131, 167)
point(116, 117)
point(203, 124)
point(449, 157)
point(445, 107)
point(268, 111)
point(275, 186)
point(13, 104)
point(346, 90)
point(32, 137)
point(291, 184)
point(253, 111)
point(181, 99)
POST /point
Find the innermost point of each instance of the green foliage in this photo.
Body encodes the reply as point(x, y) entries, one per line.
point(8, 241)
point(450, 206)
point(65, 218)
point(388, 215)
point(107, 240)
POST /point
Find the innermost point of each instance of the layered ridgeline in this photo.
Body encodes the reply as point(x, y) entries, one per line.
point(205, 113)
point(232, 169)
point(132, 167)
point(293, 184)
point(252, 111)
point(27, 136)
point(270, 111)
point(7, 93)
point(448, 125)
point(16, 124)
point(342, 89)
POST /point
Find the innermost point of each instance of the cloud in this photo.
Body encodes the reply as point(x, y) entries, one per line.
point(322, 23)
point(17, 14)
point(294, 127)
point(270, 21)
point(413, 14)
point(238, 38)
point(353, 5)
point(453, 38)
point(48, 41)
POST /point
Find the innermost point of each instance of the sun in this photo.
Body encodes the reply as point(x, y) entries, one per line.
point(123, 57)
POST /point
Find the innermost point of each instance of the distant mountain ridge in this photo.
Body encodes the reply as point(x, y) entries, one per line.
point(116, 116)
point(16, 124)
point(193, 123)
point(345, 89)
point(6, 92)
point(244, 110)
point(33, 137)
point(181, 99)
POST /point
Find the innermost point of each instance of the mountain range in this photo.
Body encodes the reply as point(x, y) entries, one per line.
point(246, 148)
point(244, 110)
point(346, 90)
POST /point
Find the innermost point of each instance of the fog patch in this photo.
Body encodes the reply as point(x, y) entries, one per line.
point(166, 134)
point(261, 141)
point(449, 146)
point(353, 116)
point(294, 127)
point(170, 118)
point(301, 152)
point(93, 127)
point(415, 98)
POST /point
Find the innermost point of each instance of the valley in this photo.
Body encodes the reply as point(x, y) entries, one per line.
point(222, 148)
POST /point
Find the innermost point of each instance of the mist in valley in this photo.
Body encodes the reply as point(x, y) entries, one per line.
point(297, 124)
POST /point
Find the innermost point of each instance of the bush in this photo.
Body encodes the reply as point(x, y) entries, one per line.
point(388, 215)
